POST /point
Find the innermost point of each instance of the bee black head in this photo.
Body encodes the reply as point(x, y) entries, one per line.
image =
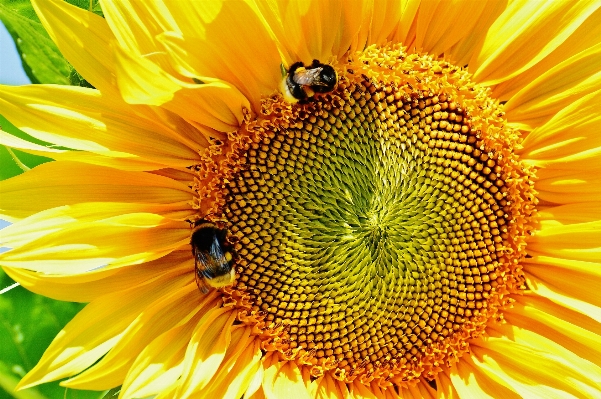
point(328, 78)
point(204, 235)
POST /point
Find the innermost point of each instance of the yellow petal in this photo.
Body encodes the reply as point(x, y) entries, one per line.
point(570, 140)
point(444, 386)
point(29, 107)
point(142, 81)
point(144, 72)
point(257, 395)
point(327, 387)
point(577, 241)
point(441, 24)
point(83, 38)
point(318, 29)
point(525, 34)
point(546, 277)
point(159, 366)
point(110, 159)
point(553, 78)
point(84, 119)
point(569, 214)
point(405, 31)
point(136, 26)
point(55, 219)
point(68, 183)
point(158, 317)
point(216, 105)
point(568, 186)
point(555, 90)
point(255, 389)
point(206, 351)
point(242, 360)
point(284, 380)
point(78, 247)
point(88, 286)
point(96, 329)
point(11, 141)
point(360, 24)
point(119, 161)
point(362, 391)
point(461, 52)
point(236, 47)
point(533, 365)
point(470, 382)
point(384, 18)
point(167, 393)
point(574, 331)
point(146, 75)
point(420, 390)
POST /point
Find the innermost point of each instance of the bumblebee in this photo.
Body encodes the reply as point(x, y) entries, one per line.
point(212, 258)
point(302, 82)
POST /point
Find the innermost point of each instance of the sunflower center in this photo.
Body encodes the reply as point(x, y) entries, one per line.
point(378, 227)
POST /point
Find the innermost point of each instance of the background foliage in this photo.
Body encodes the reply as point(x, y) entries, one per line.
point(29, 322)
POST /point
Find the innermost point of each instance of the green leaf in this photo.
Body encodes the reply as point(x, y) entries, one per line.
point(8, 382)
point(75, 79)
point(8, 167)
point(42, 61)
point(113, 393)
point(28, 323)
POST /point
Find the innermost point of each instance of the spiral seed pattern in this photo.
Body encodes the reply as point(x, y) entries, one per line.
point(374, 224)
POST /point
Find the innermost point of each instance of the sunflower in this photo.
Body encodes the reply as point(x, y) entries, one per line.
point(376, 199)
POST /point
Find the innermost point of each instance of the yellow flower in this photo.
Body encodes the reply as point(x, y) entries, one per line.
point(427, 227)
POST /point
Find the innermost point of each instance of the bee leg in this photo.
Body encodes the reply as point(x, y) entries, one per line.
point(200, 283)
point(296, 90)
point(309, 92)
point(202, 287)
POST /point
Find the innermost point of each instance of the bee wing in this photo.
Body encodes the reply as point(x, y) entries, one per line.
point(212, 263)
point(200, 282)
point(307, 77)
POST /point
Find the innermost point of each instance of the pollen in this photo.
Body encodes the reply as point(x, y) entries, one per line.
point(376, 228)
